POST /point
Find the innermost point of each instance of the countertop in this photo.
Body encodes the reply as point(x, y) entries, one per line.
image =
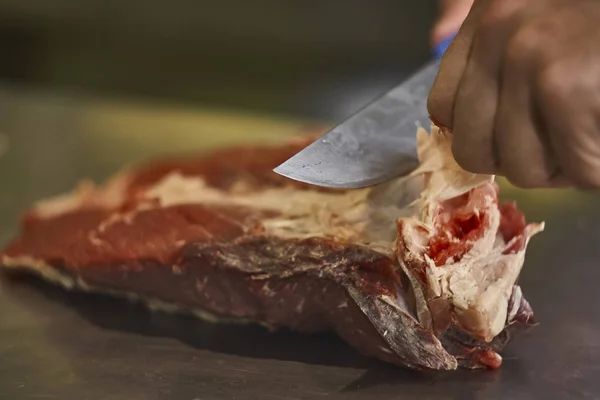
point(55, 344)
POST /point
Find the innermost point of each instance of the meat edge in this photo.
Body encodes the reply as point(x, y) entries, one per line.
point(378, 313)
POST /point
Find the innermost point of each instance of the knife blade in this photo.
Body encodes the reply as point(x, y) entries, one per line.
point(376, 144)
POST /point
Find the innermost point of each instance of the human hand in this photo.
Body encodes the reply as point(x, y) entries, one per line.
point(451, 15)
point(520, 89)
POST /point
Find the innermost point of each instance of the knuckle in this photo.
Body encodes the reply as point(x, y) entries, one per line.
point(557, 80)
point(525, 44)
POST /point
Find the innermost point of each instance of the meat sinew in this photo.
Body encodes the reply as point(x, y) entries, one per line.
point(420, 271)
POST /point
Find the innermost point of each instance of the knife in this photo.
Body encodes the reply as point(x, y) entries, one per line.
point(376, 144)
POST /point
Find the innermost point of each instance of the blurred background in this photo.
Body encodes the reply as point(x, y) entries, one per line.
point(89, 86)
point(309, 58)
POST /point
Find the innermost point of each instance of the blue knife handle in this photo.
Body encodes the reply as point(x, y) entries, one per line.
point(440, 48)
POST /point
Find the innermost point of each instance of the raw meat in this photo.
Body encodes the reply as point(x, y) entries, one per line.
point(420, 272)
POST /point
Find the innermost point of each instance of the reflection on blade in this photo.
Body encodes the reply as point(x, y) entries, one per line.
point(375, 145)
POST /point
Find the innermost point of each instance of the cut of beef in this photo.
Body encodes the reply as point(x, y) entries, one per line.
point(420, 271)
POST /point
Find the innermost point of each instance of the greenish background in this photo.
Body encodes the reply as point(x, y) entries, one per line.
point(303, 57)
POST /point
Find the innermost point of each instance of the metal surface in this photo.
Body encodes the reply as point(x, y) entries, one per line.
point(59, 345)
point(374, 145)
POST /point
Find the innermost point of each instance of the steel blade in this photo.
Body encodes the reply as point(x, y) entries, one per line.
point(376, 144)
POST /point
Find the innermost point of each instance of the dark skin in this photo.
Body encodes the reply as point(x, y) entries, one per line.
point(520, 89)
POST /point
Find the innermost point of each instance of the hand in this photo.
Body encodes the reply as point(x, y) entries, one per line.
point(452, 14)
point(520, 89)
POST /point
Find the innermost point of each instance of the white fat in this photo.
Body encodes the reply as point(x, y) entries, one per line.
point(41, 268)
point(447, 179)
point(517, 296)
point(85, 195)
point(481, 284)
point(364, 216)
point(478, 287)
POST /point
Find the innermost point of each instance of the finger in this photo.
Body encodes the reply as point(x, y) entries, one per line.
point(479, 90)
point(477, 95)
point(474, 112)
point(570, 104)
point(524, 156)
point(568, 91)
point(440, 102)
point(451, 16)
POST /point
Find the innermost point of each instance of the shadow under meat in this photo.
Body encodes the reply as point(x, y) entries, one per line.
point(460, 384)
point(246, 340)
